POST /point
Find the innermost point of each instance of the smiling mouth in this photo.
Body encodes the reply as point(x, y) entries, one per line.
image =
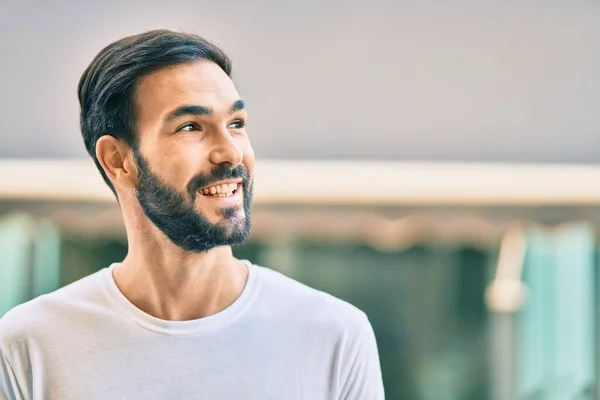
point(223, 190)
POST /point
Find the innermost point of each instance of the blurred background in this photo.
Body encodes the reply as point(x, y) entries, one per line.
point(432, 163)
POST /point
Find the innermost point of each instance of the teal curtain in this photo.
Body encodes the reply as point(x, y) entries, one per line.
point(46, 258)
point(29, 259)
point(15, 260)
point(556, 326)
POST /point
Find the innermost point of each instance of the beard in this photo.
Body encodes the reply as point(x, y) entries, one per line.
point(174, 214)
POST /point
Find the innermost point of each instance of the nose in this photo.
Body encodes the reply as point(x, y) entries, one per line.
point(225, 150)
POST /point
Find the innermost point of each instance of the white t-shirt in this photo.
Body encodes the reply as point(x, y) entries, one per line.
point(280, 340)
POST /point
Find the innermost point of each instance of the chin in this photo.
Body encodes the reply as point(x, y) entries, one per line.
point(233, 226)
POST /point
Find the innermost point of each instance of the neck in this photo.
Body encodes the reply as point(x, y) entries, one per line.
point(171, 284)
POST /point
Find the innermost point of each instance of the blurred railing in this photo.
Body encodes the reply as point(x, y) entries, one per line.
point(343, 183)
point(535, 223)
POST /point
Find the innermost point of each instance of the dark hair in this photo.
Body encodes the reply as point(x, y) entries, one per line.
point(107, 87)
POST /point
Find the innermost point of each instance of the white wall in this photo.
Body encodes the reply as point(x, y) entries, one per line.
point(488, 81)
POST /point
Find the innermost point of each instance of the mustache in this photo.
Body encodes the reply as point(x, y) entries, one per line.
point(219, 173)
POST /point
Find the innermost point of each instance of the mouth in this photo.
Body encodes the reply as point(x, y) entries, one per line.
point(222, 189)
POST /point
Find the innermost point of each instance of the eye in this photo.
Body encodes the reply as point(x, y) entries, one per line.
point(237, 124)
point(188, 128)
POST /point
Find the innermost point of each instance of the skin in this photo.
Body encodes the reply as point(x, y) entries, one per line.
point(157, 276)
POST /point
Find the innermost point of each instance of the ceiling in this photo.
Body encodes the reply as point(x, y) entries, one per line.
point(484, 81)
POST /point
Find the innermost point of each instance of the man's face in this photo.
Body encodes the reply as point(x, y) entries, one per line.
point(194, 157)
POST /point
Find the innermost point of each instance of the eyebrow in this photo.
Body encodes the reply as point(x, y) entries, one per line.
point(237, 106)
point(186, 110)
point(199, 111)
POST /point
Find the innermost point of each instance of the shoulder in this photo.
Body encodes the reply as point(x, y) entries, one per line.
point(284, 295)
point(333, 327)
point(45, 312)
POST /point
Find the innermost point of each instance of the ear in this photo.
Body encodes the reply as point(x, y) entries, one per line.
point(117, 160)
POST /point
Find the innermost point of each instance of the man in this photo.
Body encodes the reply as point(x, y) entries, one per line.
point(180, 317)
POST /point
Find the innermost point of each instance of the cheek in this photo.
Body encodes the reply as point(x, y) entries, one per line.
point(249, 157)
point(175, 165)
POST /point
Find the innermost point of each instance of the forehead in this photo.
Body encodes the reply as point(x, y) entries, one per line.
point(201, 83)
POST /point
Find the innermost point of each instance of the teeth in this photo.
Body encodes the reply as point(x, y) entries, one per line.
point(223, 190)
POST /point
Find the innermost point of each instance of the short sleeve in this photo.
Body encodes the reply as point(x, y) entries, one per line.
point(362, 377)
point(7, 380)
